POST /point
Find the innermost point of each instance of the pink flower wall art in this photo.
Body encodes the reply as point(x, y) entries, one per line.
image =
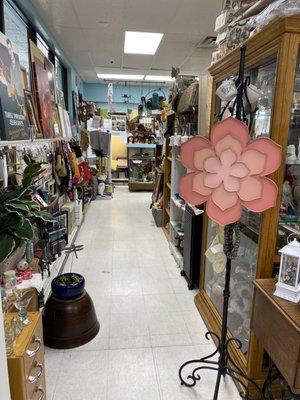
point(229, 171)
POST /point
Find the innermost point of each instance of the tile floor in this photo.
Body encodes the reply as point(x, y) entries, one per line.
point(149, 323)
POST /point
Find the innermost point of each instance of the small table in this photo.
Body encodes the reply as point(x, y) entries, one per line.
point(276, 323)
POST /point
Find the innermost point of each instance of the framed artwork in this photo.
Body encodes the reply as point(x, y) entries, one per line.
point(49, 67)
point(76, 106)
point(44, 88)
point(61, 99)
point(56, 121)
point(62, 121)
point(13, 122)
point(32, 114)
point(43, 99)
point(24, 75)
point(67, 124)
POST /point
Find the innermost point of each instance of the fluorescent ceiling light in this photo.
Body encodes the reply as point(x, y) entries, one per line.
point(121, 77)
point(142, 42)
point(158, 78)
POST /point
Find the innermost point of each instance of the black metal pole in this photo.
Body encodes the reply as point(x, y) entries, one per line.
point(231, 244)
point(2, 21)
point(240, 82)
point(229, 229)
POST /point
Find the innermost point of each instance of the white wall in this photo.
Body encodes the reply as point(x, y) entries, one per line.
point(4, 384)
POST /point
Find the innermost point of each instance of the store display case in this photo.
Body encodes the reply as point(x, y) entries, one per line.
point(273, 65)
point(141, 162)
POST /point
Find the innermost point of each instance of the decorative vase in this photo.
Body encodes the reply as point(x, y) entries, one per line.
point(69, 323)
point(68, 286)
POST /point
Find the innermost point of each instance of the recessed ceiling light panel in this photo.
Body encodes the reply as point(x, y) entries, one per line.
point(158, 78)
point(142, 42)
point(121, 77)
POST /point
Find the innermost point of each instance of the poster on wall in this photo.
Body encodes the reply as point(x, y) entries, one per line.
point(13, 121)
point(43, 97)
point(65, 123)
point(45, 91)
point(49, 67)
point(56, 122)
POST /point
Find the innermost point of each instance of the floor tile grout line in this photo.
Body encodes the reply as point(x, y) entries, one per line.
point(160, 392)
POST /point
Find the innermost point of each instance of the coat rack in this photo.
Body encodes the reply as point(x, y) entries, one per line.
point(225, 366)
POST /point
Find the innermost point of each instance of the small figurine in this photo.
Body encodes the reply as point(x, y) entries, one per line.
point(291, 157)
point(287, 198)
point(22, 265)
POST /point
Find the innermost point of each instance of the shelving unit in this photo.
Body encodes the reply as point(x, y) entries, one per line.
point(177, 209)
point(141, 163)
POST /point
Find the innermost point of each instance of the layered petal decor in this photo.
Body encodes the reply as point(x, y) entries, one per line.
point(229, 172)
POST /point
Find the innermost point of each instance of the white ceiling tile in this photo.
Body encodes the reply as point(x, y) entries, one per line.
point(196, 65)
point(81, 59)
point(75, 25)
point(196, 17)
point(90, 12)
point(69, 38)
point(137, 61)
point(106, 58)
point(57, 12)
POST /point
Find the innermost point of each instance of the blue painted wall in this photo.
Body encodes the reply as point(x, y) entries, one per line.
point(97, 92)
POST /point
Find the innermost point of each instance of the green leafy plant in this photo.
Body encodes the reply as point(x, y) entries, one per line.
point(18, 211)
point(68, 279)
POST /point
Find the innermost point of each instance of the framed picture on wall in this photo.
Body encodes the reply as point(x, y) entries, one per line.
point(67, 124)
point(61, 99)
point(56, 121)
point(24, 75)
point(75, 106)
point(43, 99)
point(32, 114)
point(49, 67)
point(13, 122)
point(44, 88)
point(62, 121)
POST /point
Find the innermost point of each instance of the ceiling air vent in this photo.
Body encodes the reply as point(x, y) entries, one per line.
point(209, 41)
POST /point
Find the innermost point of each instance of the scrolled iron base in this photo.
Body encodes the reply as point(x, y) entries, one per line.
point(221, 366)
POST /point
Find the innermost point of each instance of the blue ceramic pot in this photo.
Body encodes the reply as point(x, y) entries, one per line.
point(68, 286)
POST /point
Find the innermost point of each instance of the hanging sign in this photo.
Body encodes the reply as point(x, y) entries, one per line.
point(229, 171)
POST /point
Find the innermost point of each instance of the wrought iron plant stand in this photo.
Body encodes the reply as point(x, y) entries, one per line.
point(225, 366)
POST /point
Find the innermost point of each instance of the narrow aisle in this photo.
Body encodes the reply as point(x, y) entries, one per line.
point(149, 323)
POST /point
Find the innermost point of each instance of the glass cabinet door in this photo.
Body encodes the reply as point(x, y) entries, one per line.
point(289, 220)
point(244, 266)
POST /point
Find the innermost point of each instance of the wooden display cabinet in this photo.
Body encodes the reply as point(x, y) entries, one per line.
point(273, 63)
point(26, 364)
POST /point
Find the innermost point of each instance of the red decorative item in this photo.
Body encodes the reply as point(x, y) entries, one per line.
point(24, 275)
point(229, 171)
point(85, 171)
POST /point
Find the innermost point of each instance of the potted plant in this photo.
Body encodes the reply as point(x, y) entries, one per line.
point(68, 286)
point(18, 211)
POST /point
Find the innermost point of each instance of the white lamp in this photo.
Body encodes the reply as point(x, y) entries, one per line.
point(288, 285)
